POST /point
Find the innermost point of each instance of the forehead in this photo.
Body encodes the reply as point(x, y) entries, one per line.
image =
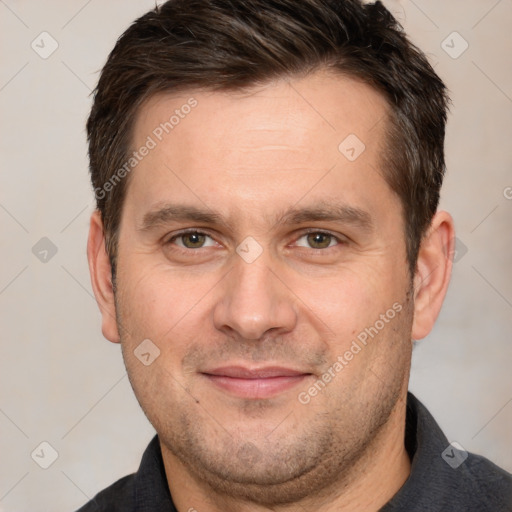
point(323, 103)
point(283, 136)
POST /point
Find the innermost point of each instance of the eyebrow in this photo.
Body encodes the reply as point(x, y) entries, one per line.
point(323, 211)
point(178, 212)
point(334, 212)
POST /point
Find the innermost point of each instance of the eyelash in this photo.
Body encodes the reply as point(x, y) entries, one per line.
point(338, 239)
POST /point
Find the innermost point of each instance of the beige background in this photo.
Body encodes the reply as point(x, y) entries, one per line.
point(62, 383)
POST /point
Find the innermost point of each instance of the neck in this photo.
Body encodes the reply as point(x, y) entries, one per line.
point(373, 480)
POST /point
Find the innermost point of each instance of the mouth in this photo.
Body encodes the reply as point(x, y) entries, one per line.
point(255, 383)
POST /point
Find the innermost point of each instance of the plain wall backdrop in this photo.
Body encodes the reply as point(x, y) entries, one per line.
point(61, 383)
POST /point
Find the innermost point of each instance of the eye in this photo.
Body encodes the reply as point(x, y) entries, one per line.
point(318, 240)
point(192, 240)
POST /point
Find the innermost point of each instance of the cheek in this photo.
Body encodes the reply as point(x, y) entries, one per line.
point(349, 299)
point(159, 319)
point(155, 301)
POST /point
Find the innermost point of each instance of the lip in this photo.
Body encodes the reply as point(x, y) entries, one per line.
point(255, 383)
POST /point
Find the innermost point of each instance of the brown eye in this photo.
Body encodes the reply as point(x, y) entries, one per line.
point(319, 240)
point(192, 240)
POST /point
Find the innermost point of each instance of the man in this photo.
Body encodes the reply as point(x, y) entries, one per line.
point(266, 247)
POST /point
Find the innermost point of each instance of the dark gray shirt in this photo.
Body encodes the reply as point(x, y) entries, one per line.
point(443, 478)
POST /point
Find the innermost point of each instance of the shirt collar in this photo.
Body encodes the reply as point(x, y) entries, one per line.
point(424, 442)
point(151, 493)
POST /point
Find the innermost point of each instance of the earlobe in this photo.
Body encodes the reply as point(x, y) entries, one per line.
point(101, 277)
point(433, 273)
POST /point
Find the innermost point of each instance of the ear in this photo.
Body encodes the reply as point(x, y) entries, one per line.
point(101, 277)
point(433, 273)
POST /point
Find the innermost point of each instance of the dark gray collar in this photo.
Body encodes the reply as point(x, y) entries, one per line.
point(435, 484)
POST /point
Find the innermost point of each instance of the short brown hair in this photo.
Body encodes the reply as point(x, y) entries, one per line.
point(235, 44)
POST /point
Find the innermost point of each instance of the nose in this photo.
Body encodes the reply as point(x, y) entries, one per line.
point(254, 301)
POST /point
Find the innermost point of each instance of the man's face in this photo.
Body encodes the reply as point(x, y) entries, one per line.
point(299, 251)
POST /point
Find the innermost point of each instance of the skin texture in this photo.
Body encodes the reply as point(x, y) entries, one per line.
point(249, 158)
